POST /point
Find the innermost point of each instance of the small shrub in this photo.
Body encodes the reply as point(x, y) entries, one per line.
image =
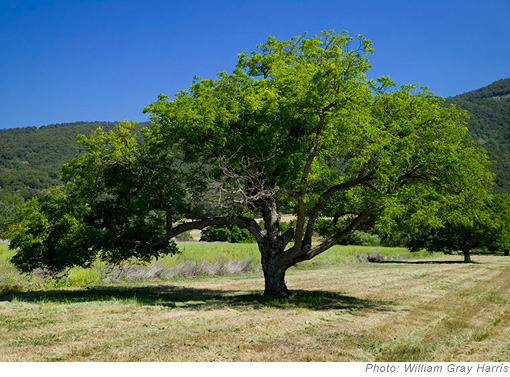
point(360, 238)
point(326, 228)
point(396, 239)
point(230, 233)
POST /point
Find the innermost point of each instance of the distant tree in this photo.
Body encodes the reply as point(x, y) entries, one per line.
point(453, 237)
point(501, 214)
point(489, 229)
point(296, 125)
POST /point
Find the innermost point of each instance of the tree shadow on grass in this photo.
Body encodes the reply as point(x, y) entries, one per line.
point(200, 299)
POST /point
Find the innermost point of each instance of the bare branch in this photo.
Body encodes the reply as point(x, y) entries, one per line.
point(357, 223)
point(360, 179)
point(301, 215)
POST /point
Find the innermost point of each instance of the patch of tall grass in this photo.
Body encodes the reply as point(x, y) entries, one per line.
point(5, 253)
point(212, 253)
point(12, 281)
point(82, 277)
point(215, 252)
point(195, 259)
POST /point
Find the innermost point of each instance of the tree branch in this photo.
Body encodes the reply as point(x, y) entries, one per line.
point(242, 221)
point(357, 223)
point(301, 211)
point(288, 236)
point(360, 179)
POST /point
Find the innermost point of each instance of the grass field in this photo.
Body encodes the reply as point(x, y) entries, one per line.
point(434, 309)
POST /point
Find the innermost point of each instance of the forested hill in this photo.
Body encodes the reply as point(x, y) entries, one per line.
point(31, 157)
point(489, 125)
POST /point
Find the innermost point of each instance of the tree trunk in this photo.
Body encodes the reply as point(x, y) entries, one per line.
point(274, 271)
point(271, 250)
point(275, 282)
point(467, 256)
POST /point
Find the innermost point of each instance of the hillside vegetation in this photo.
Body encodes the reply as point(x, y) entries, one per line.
point(489, 125)
point(31, 158)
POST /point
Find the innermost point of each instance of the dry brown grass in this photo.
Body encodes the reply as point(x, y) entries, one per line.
point(436, 310)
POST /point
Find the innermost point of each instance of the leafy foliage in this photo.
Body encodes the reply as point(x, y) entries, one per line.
point(31, 157)
point(453, 237)
point(52, 234)
point(501, 216)
point(232, 234)
point(489, 230)
point(361, 238)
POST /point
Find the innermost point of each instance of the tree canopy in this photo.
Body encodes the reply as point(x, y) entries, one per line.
point(489, 231)
point(297, 125)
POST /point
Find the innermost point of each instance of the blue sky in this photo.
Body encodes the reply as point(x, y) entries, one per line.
point(71, 60)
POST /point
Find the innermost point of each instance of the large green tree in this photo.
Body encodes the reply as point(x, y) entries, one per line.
point(488, 228)
point(455, 237)
point(296, 125)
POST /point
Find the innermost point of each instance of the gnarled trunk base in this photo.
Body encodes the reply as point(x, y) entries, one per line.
point(274, 277)
point(275, 285)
